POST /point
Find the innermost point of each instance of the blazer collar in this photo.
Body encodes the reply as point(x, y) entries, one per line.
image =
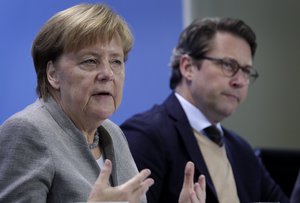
point(181, 123)
point(108, 150)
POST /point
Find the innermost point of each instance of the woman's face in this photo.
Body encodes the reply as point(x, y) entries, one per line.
point(89, 83)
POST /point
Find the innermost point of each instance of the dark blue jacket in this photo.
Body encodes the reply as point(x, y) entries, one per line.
point(162, 140)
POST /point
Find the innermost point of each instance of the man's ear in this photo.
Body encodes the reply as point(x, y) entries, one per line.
point(52, 75)
point(185, 66)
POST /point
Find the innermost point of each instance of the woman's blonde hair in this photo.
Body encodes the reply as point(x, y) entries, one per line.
point(72, 29)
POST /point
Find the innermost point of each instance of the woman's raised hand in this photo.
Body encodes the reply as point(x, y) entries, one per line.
point(131, 191)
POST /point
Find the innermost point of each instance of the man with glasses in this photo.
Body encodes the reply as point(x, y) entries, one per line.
point(212, 69)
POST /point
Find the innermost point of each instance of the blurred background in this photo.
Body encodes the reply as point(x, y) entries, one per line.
point(268, 118)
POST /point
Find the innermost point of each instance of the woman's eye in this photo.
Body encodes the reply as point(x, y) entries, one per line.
point(117, 65)
point(90, 61)
point(89, 64)
point(117, 62)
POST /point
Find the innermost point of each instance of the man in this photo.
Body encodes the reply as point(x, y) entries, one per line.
point(212, 68)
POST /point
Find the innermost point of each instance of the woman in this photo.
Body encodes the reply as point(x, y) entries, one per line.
point(53, 150)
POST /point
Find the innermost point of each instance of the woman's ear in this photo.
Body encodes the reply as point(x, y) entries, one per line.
point(185, 67)
point(52, 75)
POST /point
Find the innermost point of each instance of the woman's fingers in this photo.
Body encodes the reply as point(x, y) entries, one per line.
point(139, 182)
point(192, 192)
point(187, 193)
point(188, 181)
point(137, 186)
point(103, 178)
point(200, 189)
point(202, 182)
point(100, 190)
point(132, 190)
point(144, 187)
point(202, 192)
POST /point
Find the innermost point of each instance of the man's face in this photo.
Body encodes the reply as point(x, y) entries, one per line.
point(214, 93)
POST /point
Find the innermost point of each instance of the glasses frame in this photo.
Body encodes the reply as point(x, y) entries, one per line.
point(231, 67)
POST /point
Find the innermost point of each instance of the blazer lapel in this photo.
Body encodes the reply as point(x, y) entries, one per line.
point(107, 146)
point(186, 133)
point(231, 153)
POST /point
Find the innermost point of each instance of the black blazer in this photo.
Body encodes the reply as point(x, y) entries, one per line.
point(295, 198)
point(162, 140)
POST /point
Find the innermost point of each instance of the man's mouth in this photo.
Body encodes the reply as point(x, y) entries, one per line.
point(232, 96)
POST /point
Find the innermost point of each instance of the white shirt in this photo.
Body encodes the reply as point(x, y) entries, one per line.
point(195, 117)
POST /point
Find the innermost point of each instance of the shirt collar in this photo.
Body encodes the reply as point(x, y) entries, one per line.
point(196, 118)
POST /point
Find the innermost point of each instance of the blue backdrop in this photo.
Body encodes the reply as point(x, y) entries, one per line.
point(155, 24)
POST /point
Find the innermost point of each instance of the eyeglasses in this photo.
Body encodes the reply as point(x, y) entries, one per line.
point(230, 67)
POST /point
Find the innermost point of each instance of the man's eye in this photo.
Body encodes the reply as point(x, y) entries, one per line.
point(228, 65)
point(248, 71)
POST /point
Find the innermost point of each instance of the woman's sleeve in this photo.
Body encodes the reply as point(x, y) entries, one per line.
point(26, 168)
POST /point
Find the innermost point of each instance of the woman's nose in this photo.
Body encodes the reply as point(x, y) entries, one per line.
point(105, 72)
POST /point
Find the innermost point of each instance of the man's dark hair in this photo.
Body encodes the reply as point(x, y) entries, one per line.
point(196, 40)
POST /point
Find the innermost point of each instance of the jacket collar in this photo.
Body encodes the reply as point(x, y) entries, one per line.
point(176, 112)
